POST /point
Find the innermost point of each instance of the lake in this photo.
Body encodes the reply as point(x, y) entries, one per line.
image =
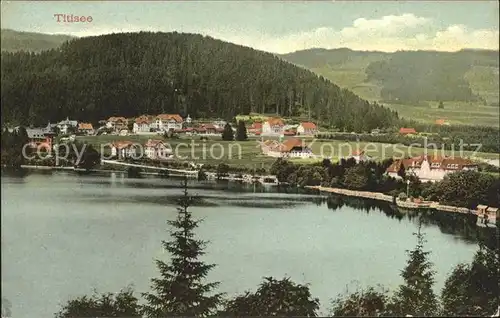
point(64, 235)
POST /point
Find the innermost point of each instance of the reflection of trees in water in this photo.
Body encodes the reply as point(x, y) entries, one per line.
point(463, 226)
point(336, 202)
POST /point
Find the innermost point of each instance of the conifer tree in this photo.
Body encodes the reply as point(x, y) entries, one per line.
point(228, 134)
point(180, 290)
point(473, 289)
point(241, 131)
point(416, 297)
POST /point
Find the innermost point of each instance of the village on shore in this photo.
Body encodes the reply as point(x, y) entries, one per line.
point(284, 140)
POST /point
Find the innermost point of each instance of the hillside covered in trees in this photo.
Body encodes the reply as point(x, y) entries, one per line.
point(130, 74)
point(408, 76)
point(13, 41)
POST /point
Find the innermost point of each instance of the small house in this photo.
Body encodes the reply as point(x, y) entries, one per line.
point(156, 149)
point(66, 125)
point(123, 149)
point(407, 131)
point(307, 128)
point(273, 126)
point(359, 156)
point(142, 124)
point(86, 128)
point(492, 212)
point(41, 138)
point(117, 123)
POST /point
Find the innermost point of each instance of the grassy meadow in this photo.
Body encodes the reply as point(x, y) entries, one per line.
point(483, 80)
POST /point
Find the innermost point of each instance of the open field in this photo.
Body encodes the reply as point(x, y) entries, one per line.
point(483, 81)
point(248, 154)
point(454, 112)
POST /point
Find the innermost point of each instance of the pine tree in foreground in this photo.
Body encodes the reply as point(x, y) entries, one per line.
point(180, 290)
point(241, 131)
point(416, 296)
point(228, 134)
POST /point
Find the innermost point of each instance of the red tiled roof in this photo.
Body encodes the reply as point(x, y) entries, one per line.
point(143, 119)
point(445, 163)
point(407, 131)
point(153, 143)
point(175, 117)
point(122, 144)
point(85, 126)
point(256, 125)
point(289, 133)
point(115, 119)
point(289, 144)
point(209, 126)
point(308, 125)
point(275, 122)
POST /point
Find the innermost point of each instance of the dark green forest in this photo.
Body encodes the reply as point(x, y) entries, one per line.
point(130, 74)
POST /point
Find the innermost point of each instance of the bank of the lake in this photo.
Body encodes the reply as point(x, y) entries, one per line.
point(64, 234)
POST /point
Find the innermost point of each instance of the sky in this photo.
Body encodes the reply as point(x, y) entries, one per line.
point(278, 26)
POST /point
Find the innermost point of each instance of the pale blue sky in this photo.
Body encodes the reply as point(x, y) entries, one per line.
point(279, 26)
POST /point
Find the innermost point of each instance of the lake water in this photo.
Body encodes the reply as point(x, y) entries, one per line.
point(64, 235)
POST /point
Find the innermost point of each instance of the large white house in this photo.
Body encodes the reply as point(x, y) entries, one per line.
point(430, 169)
point(166, 122)
point(290, 148)
point(123, 149)
point(307, 128)
point(156, 149)
point(142, 124)
point(273, 126)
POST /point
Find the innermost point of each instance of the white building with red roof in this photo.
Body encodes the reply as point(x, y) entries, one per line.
point(307, 128)
point(156, 149)
point(273, 126)
point(430, 168)
point(289, 148)
point(142, 124)
point(123, 149)
point(166, 122)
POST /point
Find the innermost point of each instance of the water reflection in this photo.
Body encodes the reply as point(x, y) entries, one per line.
point(235, 194)
point(460, 225)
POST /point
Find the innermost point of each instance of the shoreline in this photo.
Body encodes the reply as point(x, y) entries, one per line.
point(401, 204)
point(232, 177)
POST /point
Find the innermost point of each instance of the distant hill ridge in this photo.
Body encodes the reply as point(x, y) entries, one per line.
point(13, 41)
point(408, 76)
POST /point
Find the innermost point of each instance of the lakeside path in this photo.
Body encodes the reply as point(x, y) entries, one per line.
point(403, 204)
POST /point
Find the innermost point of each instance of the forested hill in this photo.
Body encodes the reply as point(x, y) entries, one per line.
point(130, 74)
point(13, 41)
point(408, 76)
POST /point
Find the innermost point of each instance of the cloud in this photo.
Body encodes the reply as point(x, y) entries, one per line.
point(389, 33)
